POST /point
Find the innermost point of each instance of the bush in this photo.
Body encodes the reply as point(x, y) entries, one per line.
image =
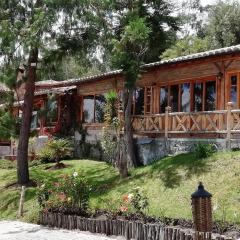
point(46, 155)
point(69, 194)
point(136, 201)
point(204, 150)
point(55, 150)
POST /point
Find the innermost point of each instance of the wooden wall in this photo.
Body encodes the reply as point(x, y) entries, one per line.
point(195, 70)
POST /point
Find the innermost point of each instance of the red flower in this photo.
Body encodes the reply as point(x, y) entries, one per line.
point(62, 196)
point(123, 209)
point(126, 198)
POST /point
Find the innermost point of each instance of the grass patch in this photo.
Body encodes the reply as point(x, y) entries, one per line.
point(168, 183)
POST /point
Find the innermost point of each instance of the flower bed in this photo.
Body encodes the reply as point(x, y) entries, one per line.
point(65, 205)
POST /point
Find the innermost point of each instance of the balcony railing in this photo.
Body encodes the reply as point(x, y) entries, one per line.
point(211, 122)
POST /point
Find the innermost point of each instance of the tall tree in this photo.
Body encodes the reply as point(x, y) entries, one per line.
point(142, 31)
point(128, 54)
point(33, 29)
point(223, 25)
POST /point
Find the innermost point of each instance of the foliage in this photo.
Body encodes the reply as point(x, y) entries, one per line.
point(9, 125)
point(108, 188)
point(135, 201)
point(109, 141)
point(204, 150)
point(158, 17)
point(46, 155)
point(129, 50)
point(223, 25)
point(217, 27)
point(69, 193)
point(110, 108)
point(185, 46)
point(55, 150)
point(109, 144)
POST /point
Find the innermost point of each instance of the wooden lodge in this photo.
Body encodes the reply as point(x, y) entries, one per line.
point(187, 96)
point(195, 96)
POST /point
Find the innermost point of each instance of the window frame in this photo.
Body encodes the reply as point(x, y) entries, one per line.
point(94, 109)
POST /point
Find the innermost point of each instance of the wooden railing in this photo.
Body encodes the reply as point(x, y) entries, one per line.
point(219, 122)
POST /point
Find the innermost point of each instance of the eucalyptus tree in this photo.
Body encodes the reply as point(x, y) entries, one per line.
point(33, 31)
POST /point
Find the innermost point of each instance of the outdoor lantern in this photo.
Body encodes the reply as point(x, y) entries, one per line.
point(202, 210)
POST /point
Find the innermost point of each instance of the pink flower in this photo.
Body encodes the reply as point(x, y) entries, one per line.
point(57, 184)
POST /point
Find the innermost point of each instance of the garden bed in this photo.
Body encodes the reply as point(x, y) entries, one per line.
point(119, 226)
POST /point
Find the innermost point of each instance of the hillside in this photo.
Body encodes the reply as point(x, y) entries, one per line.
point(168, 183)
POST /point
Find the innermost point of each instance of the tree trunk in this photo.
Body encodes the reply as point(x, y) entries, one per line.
point(122, 162)
point(22, 154)
point(128, 133)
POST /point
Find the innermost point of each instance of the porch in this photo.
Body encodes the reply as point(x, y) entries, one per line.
point(206, 124)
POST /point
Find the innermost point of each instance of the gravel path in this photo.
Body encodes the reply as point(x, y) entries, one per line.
point(18, 230)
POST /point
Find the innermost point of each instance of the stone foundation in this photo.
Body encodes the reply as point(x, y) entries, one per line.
point(150, 150)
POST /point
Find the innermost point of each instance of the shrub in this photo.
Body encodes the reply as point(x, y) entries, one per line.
point(46, 155)
point(61, 148)
point(69, 194)
point(136, 201)
point(55, 150)
point(204, 150)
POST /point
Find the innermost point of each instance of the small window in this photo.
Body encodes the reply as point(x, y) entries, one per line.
point(185, 97)
point(233, 89)
point(139, 101)
point(88, 109)
point(99, 108)
point(198, 97)
point(174, 91)
point(93, 109)
point(163, 99)
point(148, 104)
point(210, 99)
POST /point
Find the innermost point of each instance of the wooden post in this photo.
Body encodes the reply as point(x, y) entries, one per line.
point(20, 211)
point(229, 125)
point(167, 111)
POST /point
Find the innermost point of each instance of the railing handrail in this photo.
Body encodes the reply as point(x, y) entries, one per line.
point(199, 113)
point(225, 122)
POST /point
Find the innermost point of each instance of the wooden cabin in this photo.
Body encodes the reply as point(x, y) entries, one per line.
point(182, 97)
point(185, 99)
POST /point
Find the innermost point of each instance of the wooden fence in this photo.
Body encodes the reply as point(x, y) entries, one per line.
point(214, 122)
point(127, 229)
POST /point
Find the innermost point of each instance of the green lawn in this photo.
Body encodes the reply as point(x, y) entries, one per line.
point(168, 183)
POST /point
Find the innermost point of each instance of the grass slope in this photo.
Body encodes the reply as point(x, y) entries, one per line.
point(168, 183)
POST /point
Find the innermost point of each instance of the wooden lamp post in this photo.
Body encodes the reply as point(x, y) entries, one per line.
point(202, 212)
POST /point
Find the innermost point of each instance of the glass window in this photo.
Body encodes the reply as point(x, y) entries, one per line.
point(139, 101)
point(88, 109)
point(210, 100)
point(233, 89)
point(198, 95)
point(163, 99)
point(99, 108)
point(185, 97)
point(174, 97)
point(52, 113)
point(148, 103)
point(34, 121)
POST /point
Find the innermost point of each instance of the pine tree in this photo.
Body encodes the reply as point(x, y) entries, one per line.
point(40, 30)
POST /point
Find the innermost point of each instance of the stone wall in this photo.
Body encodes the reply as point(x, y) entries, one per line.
point(149, 150)
point(4, 151)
